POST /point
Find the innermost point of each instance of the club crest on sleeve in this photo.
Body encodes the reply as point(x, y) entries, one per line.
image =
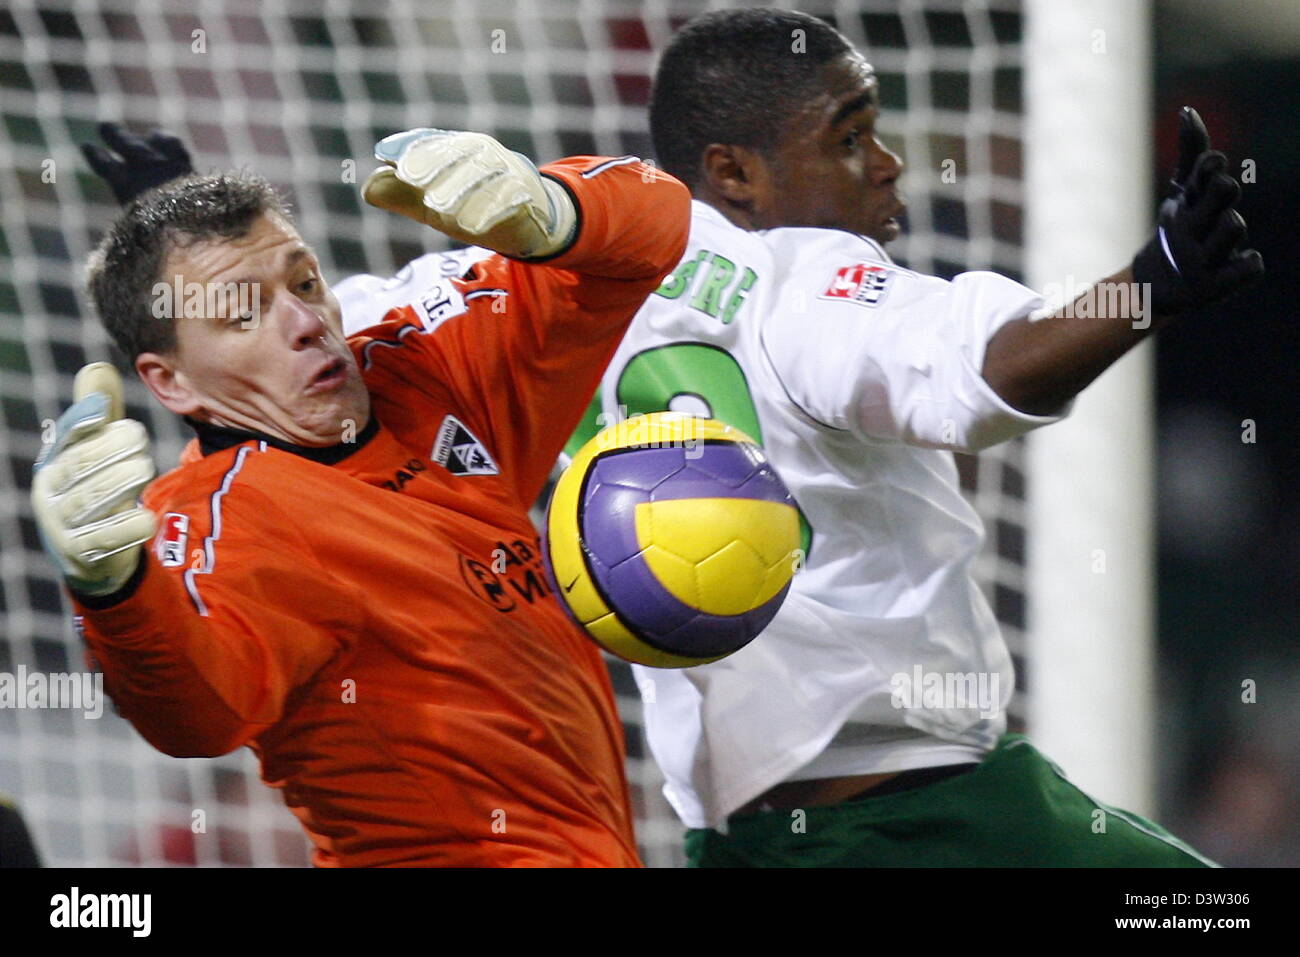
point(863, 283)
point(172, 538)
point(459, 452)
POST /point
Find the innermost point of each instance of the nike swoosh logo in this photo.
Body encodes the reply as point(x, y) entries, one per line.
point(569, 587)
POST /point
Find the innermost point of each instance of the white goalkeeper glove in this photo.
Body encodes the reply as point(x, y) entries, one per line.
point(86, 484)
point(472, 188)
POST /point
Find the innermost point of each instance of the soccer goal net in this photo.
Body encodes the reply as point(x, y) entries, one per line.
point(299, 90)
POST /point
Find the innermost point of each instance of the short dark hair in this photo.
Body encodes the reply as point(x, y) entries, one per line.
point(122, 271)
point(735, 77)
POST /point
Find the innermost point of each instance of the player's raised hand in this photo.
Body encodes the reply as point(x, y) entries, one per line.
point(133, 164)
point(472, 188)
point(86, 484)
point(1197, 254)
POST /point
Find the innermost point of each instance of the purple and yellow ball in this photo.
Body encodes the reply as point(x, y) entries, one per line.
point(671, 540)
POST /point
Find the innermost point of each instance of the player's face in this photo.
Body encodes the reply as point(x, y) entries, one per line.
point(284, 369)
point(829, 169)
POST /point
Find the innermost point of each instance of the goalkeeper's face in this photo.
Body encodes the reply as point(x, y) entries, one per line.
point(259, 340)
point(830, 169)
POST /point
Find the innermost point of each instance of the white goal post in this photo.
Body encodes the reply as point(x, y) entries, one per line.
point(1090, 574)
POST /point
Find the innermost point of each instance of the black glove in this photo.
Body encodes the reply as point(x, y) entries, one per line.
point(1195, 257)
point(140, 162)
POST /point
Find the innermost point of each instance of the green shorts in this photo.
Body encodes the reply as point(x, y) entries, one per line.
point(1016, 809)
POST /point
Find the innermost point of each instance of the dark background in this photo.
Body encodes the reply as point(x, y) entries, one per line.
point(1229, 510)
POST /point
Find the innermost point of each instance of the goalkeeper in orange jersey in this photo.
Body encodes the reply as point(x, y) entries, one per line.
point(342, 574)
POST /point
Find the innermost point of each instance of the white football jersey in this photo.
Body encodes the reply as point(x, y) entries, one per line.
point(857, 377)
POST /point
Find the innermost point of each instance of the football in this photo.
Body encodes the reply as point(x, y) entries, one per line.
point(671, 540)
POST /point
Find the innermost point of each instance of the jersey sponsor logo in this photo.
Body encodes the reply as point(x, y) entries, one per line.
point(863, 283)
point(172, 539)
point(439, 303)
point(513, 573)
point(405, 474)
point(485, 583)
point(459, 452)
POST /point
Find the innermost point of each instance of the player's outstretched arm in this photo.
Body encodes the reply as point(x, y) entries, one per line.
point(583, 242)
point(1196, 257)
point(133, 164)
point(197, 670)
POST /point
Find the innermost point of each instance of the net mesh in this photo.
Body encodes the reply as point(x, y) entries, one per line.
point(299, 91)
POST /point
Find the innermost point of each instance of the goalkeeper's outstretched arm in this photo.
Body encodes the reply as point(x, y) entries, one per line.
point(582, 242)
point(194, 684)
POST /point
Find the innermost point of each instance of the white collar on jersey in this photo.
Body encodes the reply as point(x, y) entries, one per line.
point(714, 215)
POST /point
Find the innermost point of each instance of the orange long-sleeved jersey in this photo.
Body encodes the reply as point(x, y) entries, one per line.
point(373, 618)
